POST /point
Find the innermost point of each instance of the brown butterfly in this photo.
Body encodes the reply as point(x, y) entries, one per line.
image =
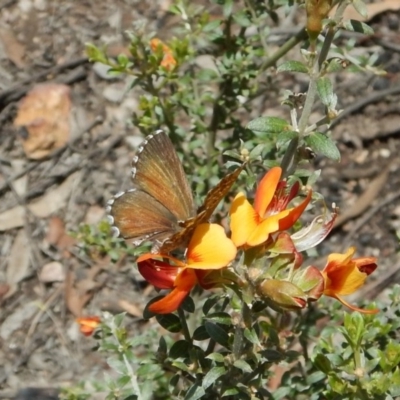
point(160, 206)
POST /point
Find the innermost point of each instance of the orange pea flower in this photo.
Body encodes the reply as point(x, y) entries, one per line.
point(343, 275)
point(252, 226)
point(87, 325)
point(209, 250)
point(168, 61)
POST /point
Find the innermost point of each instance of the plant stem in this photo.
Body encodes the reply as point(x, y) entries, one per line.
point(132, 376)
point(293, 41)
point(287, 160)
point(185, 328)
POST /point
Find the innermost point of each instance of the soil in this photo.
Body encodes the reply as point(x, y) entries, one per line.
point(47, 283)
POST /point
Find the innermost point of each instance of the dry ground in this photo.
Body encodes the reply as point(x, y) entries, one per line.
point(44, 281)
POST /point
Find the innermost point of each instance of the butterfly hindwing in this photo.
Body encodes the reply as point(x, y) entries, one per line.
point(139, 216)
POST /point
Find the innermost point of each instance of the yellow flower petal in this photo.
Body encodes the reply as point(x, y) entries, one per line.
point(269, 225)
point(244, 219)
point(266, 190)
point(336, 259)
point(344, 280)
point(210, 248)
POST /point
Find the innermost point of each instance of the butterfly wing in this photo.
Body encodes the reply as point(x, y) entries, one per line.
point(160, 199)
point(217, 193)
point(214, 196)
point(157, 170)
point(137, 215)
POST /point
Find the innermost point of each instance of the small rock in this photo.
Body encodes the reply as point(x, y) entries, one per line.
point(114, 93)
point(101, 70)
point(52, 272)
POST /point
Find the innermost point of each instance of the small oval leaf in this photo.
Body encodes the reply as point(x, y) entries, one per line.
point(322, 144)
point(212, 375)
point(292, 66)
point(180, 349)
point(217, 333)
point(268, 125)
point(170, 322)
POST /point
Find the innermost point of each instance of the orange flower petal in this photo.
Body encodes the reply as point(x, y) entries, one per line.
point(210, 248)
point(294, 214)
point(87, 325)
point(266, 190)
point(159, 273)
point(185, 281)
point(244, 219)
point(354, 308)
point(168, 61)
point(344, 280)
point(367, 265)
point(337, 259)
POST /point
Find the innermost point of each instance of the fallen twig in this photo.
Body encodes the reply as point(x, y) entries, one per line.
point(17, 91)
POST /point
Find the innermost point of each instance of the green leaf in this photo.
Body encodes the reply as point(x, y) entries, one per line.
point(256, 151)
point(227, 8)
point(212, 375)
point(195, 392)
point(251, 336)
point(292, 66)
point(357, 26)
point(217, 357)
point(95, 54)
point(285, 137)
point(117, 365)
point(180, 349)
point(322, 363)
point(355, 327)
point(360, 7)
point(209, 304)
point(170, 322)
point(173, 383)
point(220, 318)
point(200, 334)
point(322, 144)
point(315, 377)
point(182, 366)
point(217, 333)
point(211, 26)
point(242, 19)
point(243, 366)
point(188, 305)
point(268, 125)
point(325, 92)
point(231, 392)
point(162, 346)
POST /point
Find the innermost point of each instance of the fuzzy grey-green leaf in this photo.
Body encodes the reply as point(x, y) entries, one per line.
point(268, 125)
point(325, 90)
point(292, 66)
point(322, 144)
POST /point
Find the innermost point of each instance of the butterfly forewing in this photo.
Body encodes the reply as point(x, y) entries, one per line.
point(139, 216)
point(217, 193)
point(214, 196)
point(158, 172)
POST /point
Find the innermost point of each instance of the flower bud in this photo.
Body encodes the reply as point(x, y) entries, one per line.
point(316, 10)
point(310, 281)
point(283, 294)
